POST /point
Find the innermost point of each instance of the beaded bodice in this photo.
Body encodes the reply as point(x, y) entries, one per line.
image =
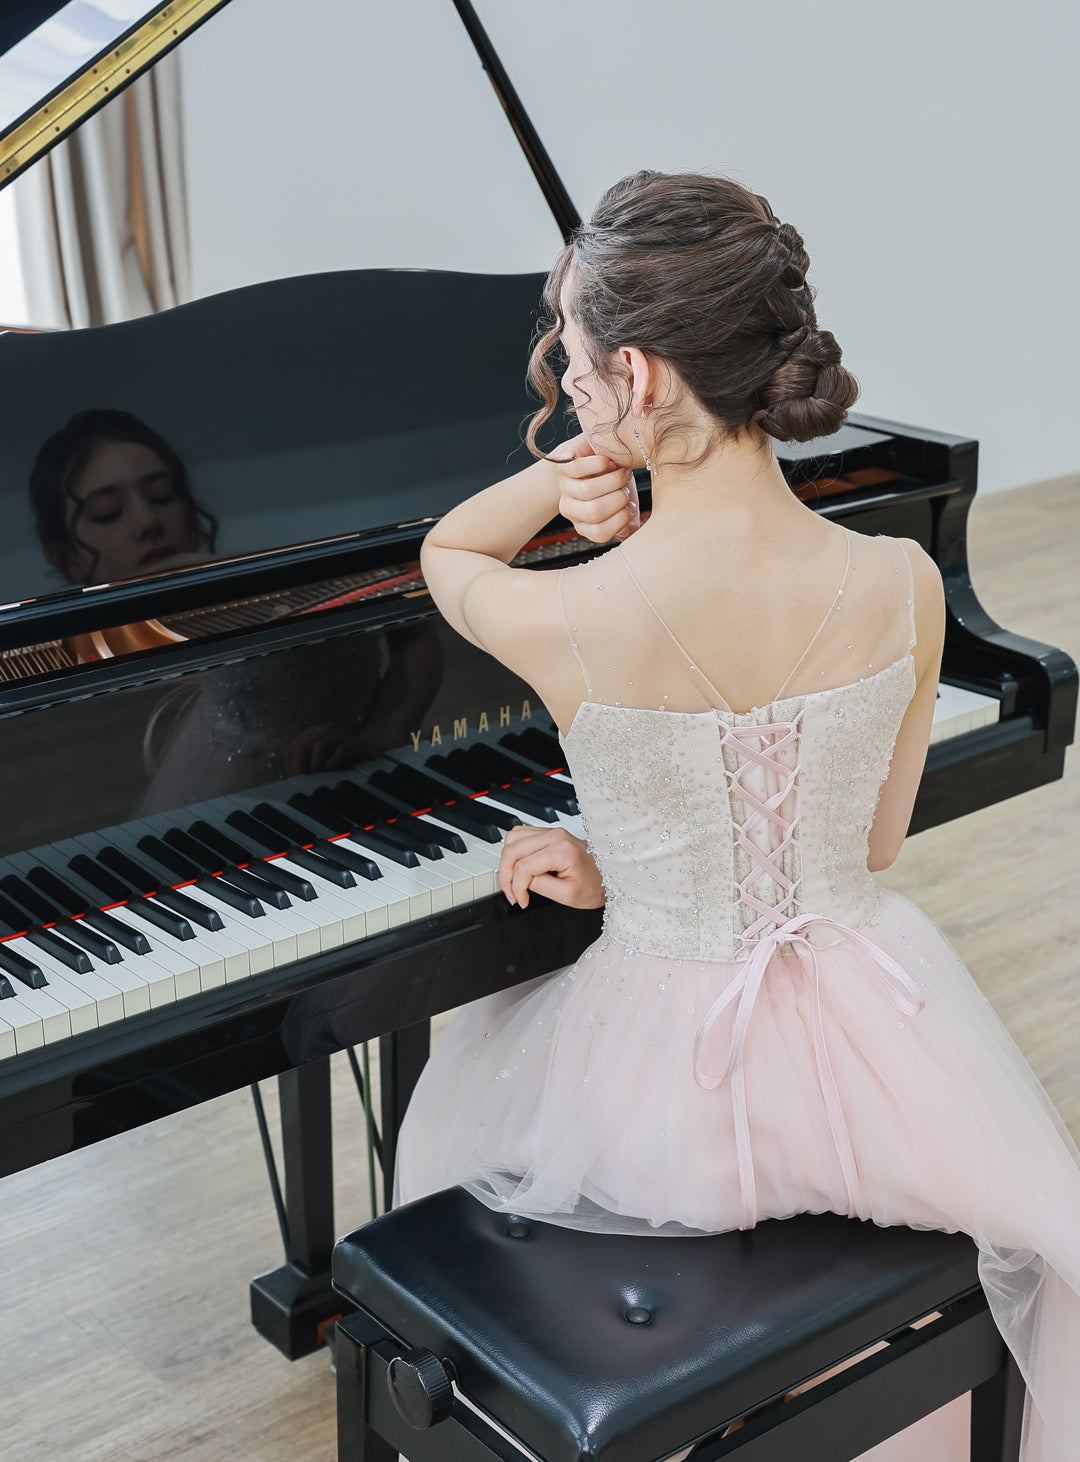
point(713, 827)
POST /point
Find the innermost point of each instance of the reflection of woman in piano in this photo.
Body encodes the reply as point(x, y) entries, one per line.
point(112, 500)
point(744, 690)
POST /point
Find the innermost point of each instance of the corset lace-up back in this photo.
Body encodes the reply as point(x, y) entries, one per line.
point(713, 827)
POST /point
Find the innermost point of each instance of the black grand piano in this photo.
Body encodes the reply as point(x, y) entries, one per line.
point(253, 800)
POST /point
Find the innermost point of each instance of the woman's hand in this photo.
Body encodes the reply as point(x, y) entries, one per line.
point(550, 861)
point(598, 497)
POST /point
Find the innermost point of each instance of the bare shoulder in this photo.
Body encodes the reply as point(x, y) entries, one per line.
point(929, 596)
point(514, 614)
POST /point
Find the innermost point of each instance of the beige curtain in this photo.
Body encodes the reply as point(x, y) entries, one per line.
point(102, 218)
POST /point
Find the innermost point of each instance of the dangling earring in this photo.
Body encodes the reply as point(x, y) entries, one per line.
point(639, 416)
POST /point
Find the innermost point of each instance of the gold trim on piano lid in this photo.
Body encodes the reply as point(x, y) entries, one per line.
point(99, 83)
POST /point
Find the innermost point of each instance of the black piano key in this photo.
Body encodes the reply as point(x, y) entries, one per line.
point(189, 908)
point(173, 923)
point(461, 814)
point(92, 872)
point(513, 743)
point(68, 954)
point(60, 892)
point(525, 801)
point(555, 794)
point(7, 989)
point(171, 858)
point(405, 817)
point(345, 858)
point(260, 833)
point(290, 883)
point(441, 835)
point(418, 788)
point(359, 803)
point(234, 897)
point(24, 970)
point(495, 817)
point(499, 766)
point(251, 881)
point(36, 904)
point(218, 841)
point(13, 920)
point(540, 746)
point(405, 833)
point(460, 769)
point(363, 818)
point(332, 872)
point(338, 811)
point(505, 770)
point(204, 859)
point(326, 818)
point(94, 943)
point(143, 878)
point(116, 930)
point(295, 833)
point(387, 847)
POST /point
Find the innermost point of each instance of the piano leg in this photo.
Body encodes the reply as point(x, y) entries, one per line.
point(402, 1055)
point(291, 1305)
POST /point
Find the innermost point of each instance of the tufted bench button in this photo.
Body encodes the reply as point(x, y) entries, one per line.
point(638, 1315)
point(420, 1388)
point(517, 1228)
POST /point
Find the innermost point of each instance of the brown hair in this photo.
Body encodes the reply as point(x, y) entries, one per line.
point(697, 271)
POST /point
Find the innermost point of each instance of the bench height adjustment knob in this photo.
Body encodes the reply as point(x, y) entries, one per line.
point(420, 1388)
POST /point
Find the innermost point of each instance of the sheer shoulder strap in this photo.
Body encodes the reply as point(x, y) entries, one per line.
point(908, 574)
point(572, 630)
point(828, 615)
point(662, 622)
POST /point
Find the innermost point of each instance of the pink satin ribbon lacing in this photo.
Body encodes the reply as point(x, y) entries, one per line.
point(900, 989)
point(761, 746)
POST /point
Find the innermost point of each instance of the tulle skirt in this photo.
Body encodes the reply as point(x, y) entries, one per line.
point(573, 1099)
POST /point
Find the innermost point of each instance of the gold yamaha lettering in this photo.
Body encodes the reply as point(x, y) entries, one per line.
point(422, 739)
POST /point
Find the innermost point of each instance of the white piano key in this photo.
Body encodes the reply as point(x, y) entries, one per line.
point(20, 1024)
point(313, 930)
point(52, 1015)
point(204, 968)
point(8, 1044)
point(957, 711)
point(361, 913)
point(266, 942)
point(90, 999)
point(473, 875)
point(396, 880)
point(159, 970)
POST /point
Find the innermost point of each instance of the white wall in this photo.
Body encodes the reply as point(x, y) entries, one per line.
point(926, 151)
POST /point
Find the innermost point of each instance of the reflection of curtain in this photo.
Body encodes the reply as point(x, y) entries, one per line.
point(102, 217)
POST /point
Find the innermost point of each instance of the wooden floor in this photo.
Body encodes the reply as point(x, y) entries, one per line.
point(123, 1330)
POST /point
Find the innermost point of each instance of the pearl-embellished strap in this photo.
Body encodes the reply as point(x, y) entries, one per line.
point(828, 615)
point(571, 632)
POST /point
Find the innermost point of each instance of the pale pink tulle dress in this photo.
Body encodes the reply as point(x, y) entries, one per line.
point(760, 1031)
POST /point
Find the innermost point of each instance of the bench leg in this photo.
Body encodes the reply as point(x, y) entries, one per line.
point(356, 1442)
point(997, 1410)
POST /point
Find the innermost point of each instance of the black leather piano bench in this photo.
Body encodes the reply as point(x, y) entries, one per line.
point(481, 1336)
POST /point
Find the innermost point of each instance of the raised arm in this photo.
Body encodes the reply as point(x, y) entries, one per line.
point(909, 756)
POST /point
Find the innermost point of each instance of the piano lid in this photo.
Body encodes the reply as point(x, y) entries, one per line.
point(60, 62)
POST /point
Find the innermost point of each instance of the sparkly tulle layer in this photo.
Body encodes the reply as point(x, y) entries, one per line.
point(573, 1099)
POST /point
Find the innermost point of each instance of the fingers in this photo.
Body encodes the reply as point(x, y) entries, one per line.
point(529, 851)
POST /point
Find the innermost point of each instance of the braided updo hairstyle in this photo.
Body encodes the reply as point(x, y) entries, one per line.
point(698, 272)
